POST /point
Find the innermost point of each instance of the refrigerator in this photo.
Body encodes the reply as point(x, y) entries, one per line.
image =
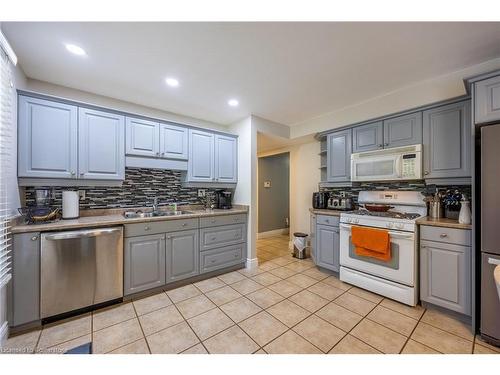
point(490, 232)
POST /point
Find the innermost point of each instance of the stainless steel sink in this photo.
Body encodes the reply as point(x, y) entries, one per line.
point(140, 214)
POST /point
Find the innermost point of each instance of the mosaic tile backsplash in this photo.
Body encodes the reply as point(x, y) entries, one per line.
point(354, 190)
point(140, 187)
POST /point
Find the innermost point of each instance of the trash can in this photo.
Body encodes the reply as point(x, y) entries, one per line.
point(299, 245)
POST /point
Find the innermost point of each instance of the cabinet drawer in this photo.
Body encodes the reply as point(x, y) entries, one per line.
point(155, 227)
point(212, 260)
point(448, 235)
point(328, 220)
point(215, 221)
point(222, 236)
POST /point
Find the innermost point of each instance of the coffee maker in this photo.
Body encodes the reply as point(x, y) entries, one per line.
point(223, 199)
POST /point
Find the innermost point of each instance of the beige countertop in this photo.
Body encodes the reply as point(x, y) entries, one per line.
point(103, 218)
point(442, 222)
point(325, 212)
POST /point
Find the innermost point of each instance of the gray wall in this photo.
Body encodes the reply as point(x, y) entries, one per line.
point(274, 201)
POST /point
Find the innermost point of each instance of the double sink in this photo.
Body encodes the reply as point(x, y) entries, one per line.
point(140, 214)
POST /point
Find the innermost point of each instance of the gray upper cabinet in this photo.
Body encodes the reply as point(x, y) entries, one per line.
point(101, 148)
point(447, 141)
point(173, 142)
point(487, 100)
point(182, 255)
point(368, 137)
point(144, 263)
point(403, 130)
point(327, 251)
point(339, 147)
point(47, 145)
point(201, 156)
point(226, 159)
point(142, 137)
point(24, 289)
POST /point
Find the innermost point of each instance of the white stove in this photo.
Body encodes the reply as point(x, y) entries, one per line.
point(397, 278)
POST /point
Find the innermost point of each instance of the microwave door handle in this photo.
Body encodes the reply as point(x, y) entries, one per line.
point(399, 162)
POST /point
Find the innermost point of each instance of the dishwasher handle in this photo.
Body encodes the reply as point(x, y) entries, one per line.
point(80, 234)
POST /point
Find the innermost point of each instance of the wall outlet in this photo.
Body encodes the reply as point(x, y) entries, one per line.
point(81, 194)
point(202, 193)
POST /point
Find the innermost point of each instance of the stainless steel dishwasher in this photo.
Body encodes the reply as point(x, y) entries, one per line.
point(80, 268)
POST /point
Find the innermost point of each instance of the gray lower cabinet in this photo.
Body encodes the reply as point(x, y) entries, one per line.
point(47, 139)
point(368, 137)
point(101, 145)
point(447, 141)
point(144, 263)
point(445, 275)
point(212, 260)
point(24, 288)
point(182, 255)
point(213, 237)
point(327, 252)
point(403, 130)
point(339, 149)
point(487, 100)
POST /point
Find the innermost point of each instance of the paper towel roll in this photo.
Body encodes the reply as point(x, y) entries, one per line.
point(70, 205)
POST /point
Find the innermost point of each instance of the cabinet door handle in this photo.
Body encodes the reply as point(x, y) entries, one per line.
point(157, 154)
point(162, 154)
point(387, 144)
point(380, 145)
point(169, 237)
point(236, 255)
point(213, 238)
point(184, 224)
point(443, 235)
point(426, 172)
point(146, 228)
point(73, 173)
point(34, 238)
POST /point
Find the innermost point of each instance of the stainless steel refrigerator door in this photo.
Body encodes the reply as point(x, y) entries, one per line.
point(490, 193)
point(490, 301)
point(80, 269)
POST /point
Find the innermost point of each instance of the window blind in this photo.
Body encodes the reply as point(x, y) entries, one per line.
point(6, 118)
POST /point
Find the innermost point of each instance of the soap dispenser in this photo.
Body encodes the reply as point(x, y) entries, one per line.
point(465, 215)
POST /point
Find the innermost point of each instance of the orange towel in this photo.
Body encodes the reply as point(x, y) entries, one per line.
point(370, 242)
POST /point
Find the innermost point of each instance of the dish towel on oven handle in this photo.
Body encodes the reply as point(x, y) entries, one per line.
point(371, 242)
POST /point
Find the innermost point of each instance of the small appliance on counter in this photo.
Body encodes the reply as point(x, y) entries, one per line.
point(42, 211)
point(320, 200)
point(223, 199)
point(70, 205)
point(341, 202)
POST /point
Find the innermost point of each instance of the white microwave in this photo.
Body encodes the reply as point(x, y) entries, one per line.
point(398, 163)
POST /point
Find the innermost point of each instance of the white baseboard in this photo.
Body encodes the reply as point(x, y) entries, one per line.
point(273, 233)
point(252, 263)
point(4, 333)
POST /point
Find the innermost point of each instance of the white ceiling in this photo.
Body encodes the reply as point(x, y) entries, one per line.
point(285, 72)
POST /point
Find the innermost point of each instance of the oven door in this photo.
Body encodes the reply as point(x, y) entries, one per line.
point(401, 267)
point(376, 168)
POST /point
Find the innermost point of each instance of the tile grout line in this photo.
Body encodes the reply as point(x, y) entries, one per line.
point(140, 324)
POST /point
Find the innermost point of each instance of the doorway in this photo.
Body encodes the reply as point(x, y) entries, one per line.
point(273, 195)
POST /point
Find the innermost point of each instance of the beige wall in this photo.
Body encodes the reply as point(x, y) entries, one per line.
point(119, 105)
point(421, 93)
point(304, 179)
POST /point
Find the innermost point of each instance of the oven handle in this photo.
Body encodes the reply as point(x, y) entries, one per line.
point(405, 236)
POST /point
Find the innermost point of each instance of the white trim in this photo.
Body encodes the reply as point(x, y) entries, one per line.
point(252, 264)
point(273, 233)
point(4, 333)
point(4, 44)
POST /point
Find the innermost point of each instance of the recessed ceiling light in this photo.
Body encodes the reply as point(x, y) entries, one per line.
point(172, 82)
point(233, 102)
point(79, 51)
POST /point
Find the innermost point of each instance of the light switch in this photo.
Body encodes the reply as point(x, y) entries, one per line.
point(267, 184)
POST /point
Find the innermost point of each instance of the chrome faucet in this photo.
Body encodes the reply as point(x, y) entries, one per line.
point(155, 204)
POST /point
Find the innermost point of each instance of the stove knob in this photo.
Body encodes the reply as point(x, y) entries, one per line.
point(400, 226)
point(356, 221)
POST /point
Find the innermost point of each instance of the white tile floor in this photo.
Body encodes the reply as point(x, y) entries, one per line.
point(285, 306)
